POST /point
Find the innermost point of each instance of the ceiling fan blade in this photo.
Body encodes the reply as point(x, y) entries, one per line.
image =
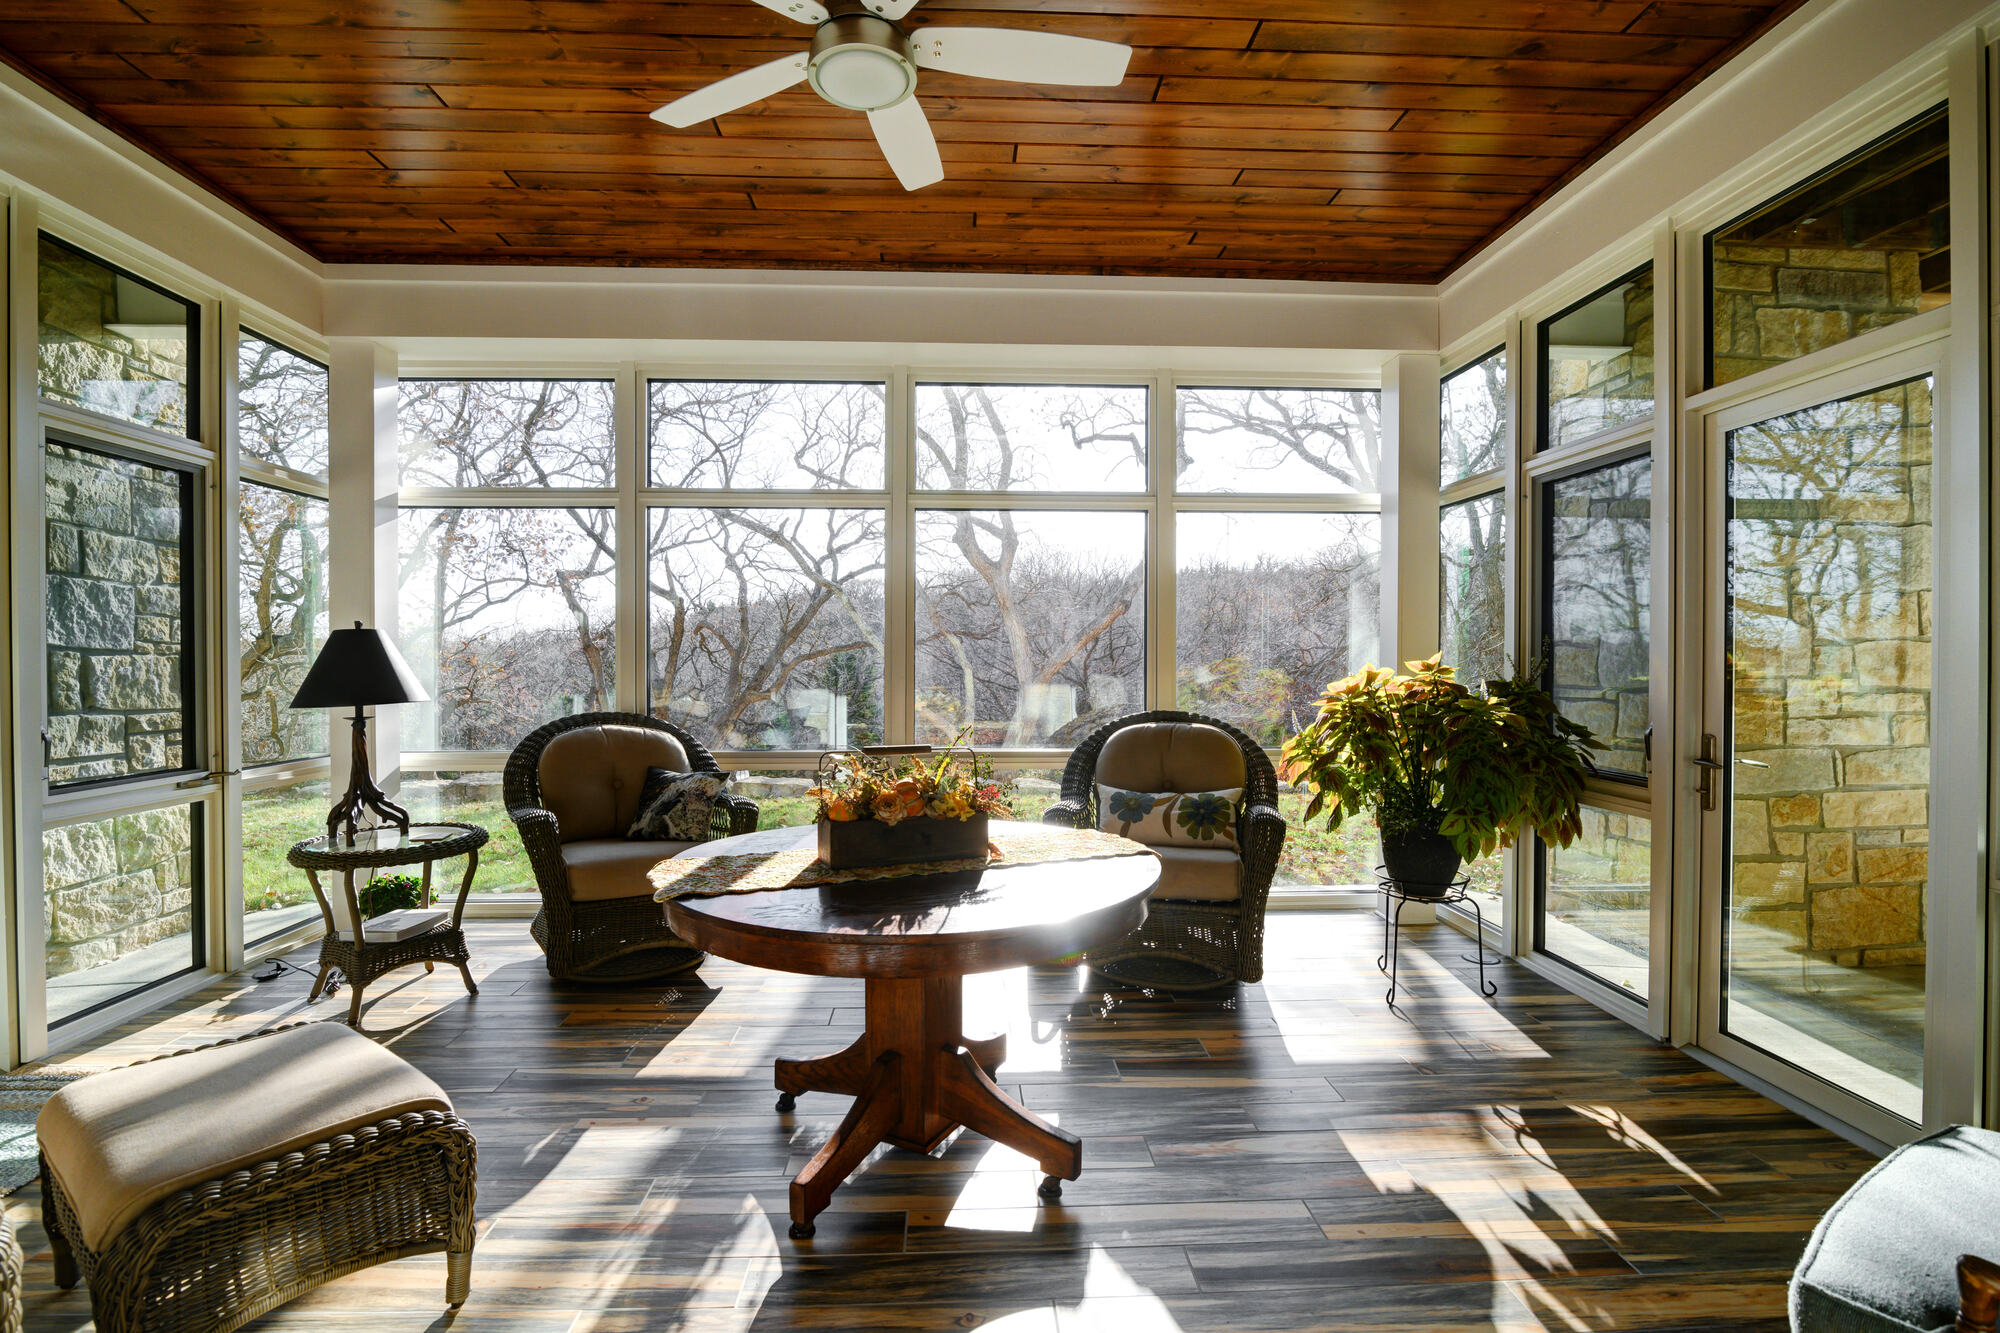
point(904, 132)
point(805, 11)
point(725, 95)
point(1020, 55)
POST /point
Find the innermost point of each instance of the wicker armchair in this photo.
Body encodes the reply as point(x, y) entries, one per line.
point(572, 788)
point(1188, 942)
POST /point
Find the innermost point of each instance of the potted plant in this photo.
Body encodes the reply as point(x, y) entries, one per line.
point(893, 805)
point(1451, 773)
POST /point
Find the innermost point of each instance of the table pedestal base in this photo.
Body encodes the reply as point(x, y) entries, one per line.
point(915, 1079)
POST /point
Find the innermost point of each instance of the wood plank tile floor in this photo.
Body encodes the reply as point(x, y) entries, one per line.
point(1293, 1156)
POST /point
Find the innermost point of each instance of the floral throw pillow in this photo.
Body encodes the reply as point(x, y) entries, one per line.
point(1171, 818)
point(676, 806)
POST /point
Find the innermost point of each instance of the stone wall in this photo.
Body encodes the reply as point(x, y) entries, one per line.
point(1773, 303)
point(114, 616)
point(1831, 670)
point(85, 364)
point(116, 885)
point(1600, 647)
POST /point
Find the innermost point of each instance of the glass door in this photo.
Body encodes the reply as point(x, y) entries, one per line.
point(1815, 765)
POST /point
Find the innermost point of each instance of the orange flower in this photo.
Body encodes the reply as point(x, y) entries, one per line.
point(840, 810)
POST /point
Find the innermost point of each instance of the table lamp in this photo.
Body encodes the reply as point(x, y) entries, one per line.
point(358, 668)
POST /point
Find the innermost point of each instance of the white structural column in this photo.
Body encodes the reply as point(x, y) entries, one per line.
point(1409, 480)
point(361, 541)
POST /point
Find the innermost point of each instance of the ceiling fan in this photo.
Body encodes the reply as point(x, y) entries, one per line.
point(862, 60)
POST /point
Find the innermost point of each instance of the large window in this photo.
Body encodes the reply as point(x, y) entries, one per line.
point(802, 586)
point(1863, 245)
point(1472, 587)
point(112, 342)
point(120, 616)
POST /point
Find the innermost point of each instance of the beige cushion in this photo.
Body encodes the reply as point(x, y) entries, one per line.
point(602, 868)
point(1171, 756)
point(121, 1141)
point(591, 777)
point(1199, 874)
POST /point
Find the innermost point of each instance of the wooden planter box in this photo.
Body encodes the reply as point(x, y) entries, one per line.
point(854, 843)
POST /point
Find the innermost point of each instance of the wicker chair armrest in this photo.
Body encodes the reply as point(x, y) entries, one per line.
point(1263, 842)
point(734, 814)
point(134, 1248)
point(1068, 813)
point(541, 838)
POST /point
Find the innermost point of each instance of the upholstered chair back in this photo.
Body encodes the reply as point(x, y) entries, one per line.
point(590, 777)
point(1171, 756)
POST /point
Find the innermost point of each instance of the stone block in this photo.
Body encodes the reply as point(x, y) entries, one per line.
point(1910, 729)
point(65, 548)
point(153, 721)
point(146, 840)
point(1784, 333)
point(84, 736)
point(1759, 720)
point(1878, 837)
point(1813, 698)
point(1894, 664)
point(1906, 288)
point(1838, 259)
point(1750, 828)
point(1600, 715)
point(83, 613)
point(118, 559)
point(1913, 957)
point(1635, 714)
point(1752, 254)
point(1827, 291)
point(1730, 276)
point(1755, 884)
point(1866, 508)
point(62, 774)
point(1894, 865)
point(1909, 766)
point(1576, 665)
point(1789, 844)
point(1795, 811)
point(1830, 858)
point(65, 682)
point(1875, 809)
point(78, 854)
point(146, 753)
point(1790, 770)
point(157, 600)
point(1862, 730)
point(86, 492)
point(131, 683)
point(156, 629)
point(1786, 924)
point(1867, 916)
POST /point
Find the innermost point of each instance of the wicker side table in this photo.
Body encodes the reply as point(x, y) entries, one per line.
point(359, 960)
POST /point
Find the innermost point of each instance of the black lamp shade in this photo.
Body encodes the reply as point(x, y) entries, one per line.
point(358, 667)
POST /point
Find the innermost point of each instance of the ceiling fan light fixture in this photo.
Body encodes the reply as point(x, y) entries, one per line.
point(861, 63)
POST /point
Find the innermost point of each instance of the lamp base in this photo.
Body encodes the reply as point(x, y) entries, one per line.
point(344, 820)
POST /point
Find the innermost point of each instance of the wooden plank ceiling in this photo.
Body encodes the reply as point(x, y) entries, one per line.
point(1319, 139)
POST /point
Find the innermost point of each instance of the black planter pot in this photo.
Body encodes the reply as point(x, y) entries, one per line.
point(1423, 865)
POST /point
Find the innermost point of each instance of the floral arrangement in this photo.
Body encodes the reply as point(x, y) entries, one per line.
point(957, 784)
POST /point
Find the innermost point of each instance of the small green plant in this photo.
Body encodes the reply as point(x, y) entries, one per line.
point(1429, 755)
point(389, 893)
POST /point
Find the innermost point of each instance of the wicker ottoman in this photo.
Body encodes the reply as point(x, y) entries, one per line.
point(199, 1190)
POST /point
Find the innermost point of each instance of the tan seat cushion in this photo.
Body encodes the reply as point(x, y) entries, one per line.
point(590, 777)
point(602, 868)
point(1199, 874)
point(120, 1141)
point(1171, 756)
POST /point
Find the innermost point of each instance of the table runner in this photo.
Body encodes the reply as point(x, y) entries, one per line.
point(756, 872)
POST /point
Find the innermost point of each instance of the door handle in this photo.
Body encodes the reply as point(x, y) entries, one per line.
point(1708, 766)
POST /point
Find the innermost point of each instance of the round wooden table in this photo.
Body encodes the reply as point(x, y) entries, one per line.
point(914, 1075)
